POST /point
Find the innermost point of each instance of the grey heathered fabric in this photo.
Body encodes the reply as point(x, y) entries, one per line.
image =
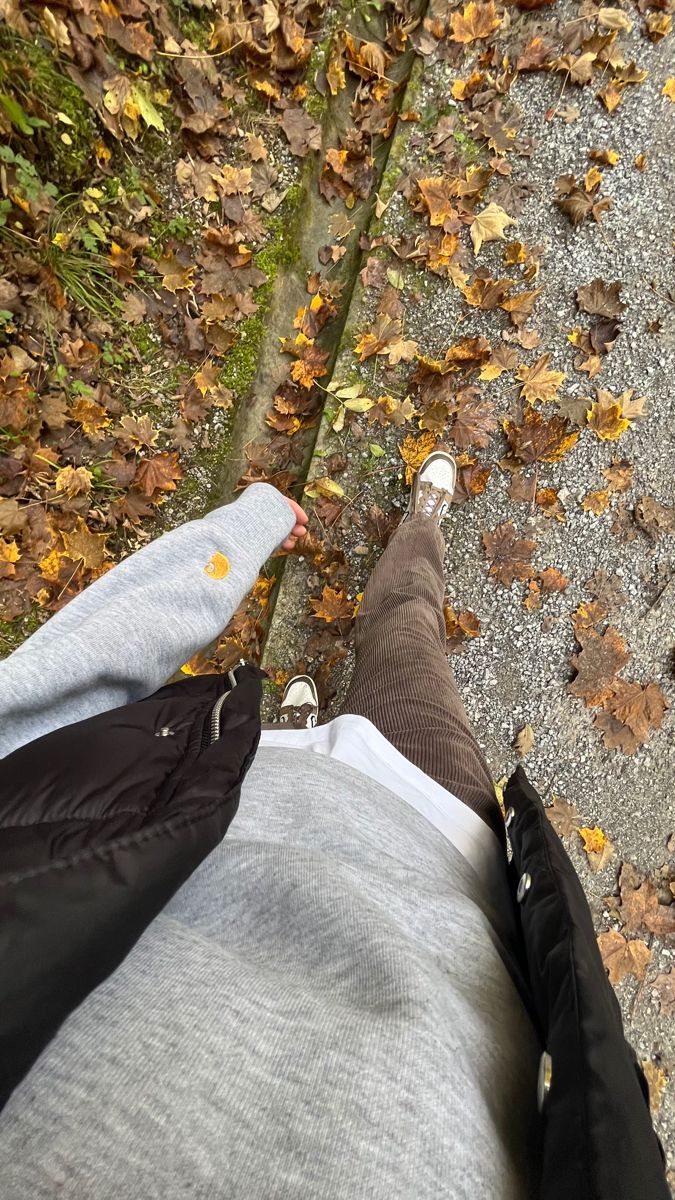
point(323, 1011)
point(124, 636)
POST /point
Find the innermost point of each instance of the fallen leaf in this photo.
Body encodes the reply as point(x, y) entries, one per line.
point(601, 658)
point(669, 89)
point(596, 502)
point(83, 545)
point(414, 450)
point(385, 337)
point(303, 133)
point(509, 556)
point(621, 957)
point(73, 481)
point(657, 1080)
point(489, 226)
point(601, 299)
point(460, 627)
point(606, 417)
point(664, 986)
point(158, 474)
point(629, 713)
point(332, 605)
point(538, 381)
point(563, 816)
point(175, 277)
point(640, 909)
point(474, 22)
point(540, 440)
point(597, 845)
point(654, 518)
point(552, 580)
point(474, 421)
point(524, 741)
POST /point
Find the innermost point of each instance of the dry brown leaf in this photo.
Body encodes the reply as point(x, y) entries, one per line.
point(158, 474)
point(439, 196)
point(619, 475)
point(654, 518)
point(540, 440)
point(621, 957)
point(602, 657)
point(81, 544)
point(538, 381)
point(657, 1080)
point(640, 908)
point(332, 605)
point(385, 337)
point(552, 580)
point(460, 627)
point(596, 502)
point(474, 421)
point(601, 299)
point(509, 556)
point(524, 741)
point(563, 816)
point(489, 225)
point(476, 21)
point(664, 986)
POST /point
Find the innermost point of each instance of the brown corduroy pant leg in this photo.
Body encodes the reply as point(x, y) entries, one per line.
point(402, 681)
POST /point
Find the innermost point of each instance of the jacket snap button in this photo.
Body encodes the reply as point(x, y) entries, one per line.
point(524, 885)
point(508, 819)
point(165, 732)
point(544, 1079)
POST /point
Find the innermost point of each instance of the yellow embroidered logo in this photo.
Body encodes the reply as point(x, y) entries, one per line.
point(218, 566)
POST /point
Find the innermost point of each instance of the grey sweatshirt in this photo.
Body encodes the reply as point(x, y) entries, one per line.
point(326, 1009)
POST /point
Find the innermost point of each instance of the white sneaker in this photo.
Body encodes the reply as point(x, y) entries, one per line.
point(300, 703)
point(433, 487)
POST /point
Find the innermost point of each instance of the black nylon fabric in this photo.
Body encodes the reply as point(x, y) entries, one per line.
point(100, 823)
point(598, 1139)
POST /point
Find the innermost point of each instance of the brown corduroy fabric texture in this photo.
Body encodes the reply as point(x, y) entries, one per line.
point(402, 681)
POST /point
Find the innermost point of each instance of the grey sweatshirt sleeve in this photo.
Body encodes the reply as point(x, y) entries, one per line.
point(126, 634)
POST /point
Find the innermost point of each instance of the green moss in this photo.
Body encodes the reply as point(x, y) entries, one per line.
point(195, 27)
point(469, 148)
point(144, 338)
point(13, 633)
point(281, 250)
point(31, 76)
point(316, 105)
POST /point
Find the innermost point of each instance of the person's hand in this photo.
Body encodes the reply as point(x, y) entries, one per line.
point(299, 529)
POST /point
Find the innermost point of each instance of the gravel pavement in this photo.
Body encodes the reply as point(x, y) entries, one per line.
point(517, 671)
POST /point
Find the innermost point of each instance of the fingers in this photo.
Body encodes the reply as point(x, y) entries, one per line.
point(300, 513)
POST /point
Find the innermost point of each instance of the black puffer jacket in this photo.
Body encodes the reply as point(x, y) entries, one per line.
point(101, 823)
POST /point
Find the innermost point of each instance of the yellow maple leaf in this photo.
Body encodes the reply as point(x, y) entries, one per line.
point(91, 416)
point(414, 450)
point(84, 546)
point(606, 416)
point(593, 838)
point(597, 846)
point(538, 381)
point(669, 89)
point(476, 21)
point(489, 225)
point(9, 551)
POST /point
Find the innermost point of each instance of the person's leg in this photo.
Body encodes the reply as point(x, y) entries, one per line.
point(402, 681)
